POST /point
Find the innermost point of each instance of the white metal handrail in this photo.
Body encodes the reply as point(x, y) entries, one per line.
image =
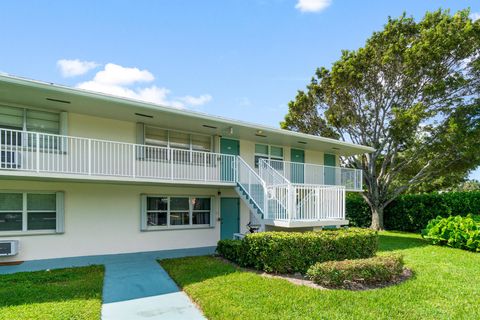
point(59, 154)
point(270, 175)
point(299, 201)
point(251, 183)
point(314, 174)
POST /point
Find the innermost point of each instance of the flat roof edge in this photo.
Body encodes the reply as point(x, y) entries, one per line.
point(182, 112)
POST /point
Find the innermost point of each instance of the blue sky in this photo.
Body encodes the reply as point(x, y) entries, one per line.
point(244, 59)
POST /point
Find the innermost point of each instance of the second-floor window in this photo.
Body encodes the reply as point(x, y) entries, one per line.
point(29, 120)
point(177, 139)
point(265, 151)
point(15, 120)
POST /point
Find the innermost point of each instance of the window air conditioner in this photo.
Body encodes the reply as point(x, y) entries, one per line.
point(8, 247)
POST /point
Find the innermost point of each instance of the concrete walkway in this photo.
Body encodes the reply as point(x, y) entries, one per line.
point(135, 285)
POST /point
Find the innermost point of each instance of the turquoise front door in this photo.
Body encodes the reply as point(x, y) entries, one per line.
point(232, 147)
point(297, 169)
point(230, 217)
point(329, 160)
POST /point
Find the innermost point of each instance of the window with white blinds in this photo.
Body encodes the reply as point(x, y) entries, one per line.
point(167, 212)
point(29, 119)
point(176, 139)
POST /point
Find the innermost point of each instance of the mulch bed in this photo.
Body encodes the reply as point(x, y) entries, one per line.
point(11, 263)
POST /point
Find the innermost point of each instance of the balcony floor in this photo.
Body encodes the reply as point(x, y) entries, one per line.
point(305, 223)
point(47, 176)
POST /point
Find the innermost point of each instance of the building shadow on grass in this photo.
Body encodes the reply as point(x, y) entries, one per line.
point(392, 242)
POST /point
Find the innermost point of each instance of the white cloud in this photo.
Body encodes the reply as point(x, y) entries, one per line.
point(312, 5)
point(196, 101)
point(118, 81)
point(72, 68)
point(475, 16)
point(115, 74)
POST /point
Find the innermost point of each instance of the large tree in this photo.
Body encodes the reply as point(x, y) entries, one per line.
point(412, 93)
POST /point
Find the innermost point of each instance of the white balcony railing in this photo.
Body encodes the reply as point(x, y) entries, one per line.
point(286, 201)
point(58, 154)
point(307, 173)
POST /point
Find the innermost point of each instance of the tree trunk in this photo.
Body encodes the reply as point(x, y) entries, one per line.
point(377, 218)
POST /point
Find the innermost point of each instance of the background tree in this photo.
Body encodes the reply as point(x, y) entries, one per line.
point(469, 185)
point(412, 93)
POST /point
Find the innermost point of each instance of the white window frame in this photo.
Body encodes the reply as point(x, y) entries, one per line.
point(61, 124)
point(269, 155)
point(59, 217)
point(190, 134)
point(144, 213)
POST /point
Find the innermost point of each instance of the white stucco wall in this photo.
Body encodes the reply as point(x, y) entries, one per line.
point(105, 219)
point(81, 125)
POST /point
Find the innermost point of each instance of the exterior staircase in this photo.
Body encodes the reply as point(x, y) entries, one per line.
point(276, 201)
point(252, 206)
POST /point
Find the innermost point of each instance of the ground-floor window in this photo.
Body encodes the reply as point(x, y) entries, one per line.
point(161, 212)
point(31, 212)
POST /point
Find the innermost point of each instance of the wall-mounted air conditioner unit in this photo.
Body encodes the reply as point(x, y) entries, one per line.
point(10, 159)
point(8, 247)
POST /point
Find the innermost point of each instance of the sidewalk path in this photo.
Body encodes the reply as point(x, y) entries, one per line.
point(135, 285)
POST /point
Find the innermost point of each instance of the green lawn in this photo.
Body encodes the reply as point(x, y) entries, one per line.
point(446, 285)
point(74, 293)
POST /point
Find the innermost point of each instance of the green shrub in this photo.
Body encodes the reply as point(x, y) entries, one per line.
point(412, 212)
point(369, 271)
point(455, 231)
point(357, 211)
point(230, 249)
point(290, 252)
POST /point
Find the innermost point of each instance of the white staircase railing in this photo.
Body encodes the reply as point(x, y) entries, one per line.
point(307, 173)
point(299, 201)
point(277, 195)
point(251, 183)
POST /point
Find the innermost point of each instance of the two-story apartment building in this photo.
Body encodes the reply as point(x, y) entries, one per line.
point(84, 173)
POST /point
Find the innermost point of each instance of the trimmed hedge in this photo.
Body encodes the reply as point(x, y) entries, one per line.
point(412, 212)
point(230, 249)
point(339, 274)
point(358, 212)
point(290, 252)
point(456, 231)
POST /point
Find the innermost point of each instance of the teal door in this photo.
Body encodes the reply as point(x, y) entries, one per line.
point(228, 146)
point(329, 160)
point(230, 217)
point(297, 174)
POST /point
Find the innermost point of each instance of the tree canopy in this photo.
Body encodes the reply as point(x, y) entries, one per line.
point(412, 93)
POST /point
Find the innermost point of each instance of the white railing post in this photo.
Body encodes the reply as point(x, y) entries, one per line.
point(291, 202)
point(134, 161)
point(235, 168)
point(204, 167)
point(89, 156)
point(171, 164)
point(37, 147)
